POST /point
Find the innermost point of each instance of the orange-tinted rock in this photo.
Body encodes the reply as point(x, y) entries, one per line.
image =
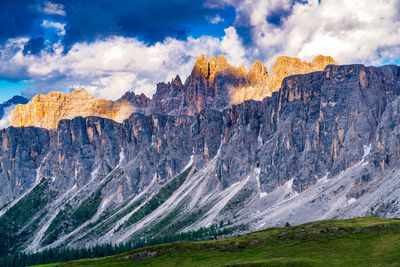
point(286, 66)
point(46, 111)
point(262, 84)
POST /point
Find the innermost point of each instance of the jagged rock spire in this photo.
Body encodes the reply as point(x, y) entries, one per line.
point(257, 72)
point(177, 80)
point(201, 66)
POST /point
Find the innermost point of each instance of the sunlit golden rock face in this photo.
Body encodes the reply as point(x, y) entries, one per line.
point(262, 84)
point(209, 69)
point(257, 87)
point(207, 83)
point(46, 111)
point(286, 66)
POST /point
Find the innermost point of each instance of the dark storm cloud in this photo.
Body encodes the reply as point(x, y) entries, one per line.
point(244, 33)
point(17, 18)
point(277, 16)
point(34, 46)
point(150, 20)
point(243, 22)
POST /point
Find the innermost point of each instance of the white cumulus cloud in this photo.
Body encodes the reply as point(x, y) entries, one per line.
point(215, 20)
point(57, 26)
point(366, 31)
point(233, 47)
point(5, 120)
point(52, 9)
point(108, 68)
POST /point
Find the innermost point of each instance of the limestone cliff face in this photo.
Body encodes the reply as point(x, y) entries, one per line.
point(261, 84)
point(45, 111)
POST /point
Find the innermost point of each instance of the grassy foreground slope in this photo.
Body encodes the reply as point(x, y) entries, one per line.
point(365, 241)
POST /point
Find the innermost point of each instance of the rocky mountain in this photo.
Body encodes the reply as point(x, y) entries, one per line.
point(326, 145)
point(213, 83)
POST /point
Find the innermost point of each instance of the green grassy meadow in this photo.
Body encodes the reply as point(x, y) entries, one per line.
point(367, 241)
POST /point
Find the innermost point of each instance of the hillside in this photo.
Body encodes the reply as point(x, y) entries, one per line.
point(367, 241)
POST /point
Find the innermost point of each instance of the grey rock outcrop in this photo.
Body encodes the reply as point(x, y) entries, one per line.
point(22, 151)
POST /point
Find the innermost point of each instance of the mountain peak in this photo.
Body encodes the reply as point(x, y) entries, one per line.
point(322, 61)
point(222, 61)
point(257, 72)
point(200, 67)
point(285, 66)
point(296, 66)
point(177, 80)
point(6, 107)
point(208, 69)
point(17, 99)
point(212, 60)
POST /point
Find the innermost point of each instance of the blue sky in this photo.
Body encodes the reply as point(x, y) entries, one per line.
point(10, 89)
point(109, 47)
